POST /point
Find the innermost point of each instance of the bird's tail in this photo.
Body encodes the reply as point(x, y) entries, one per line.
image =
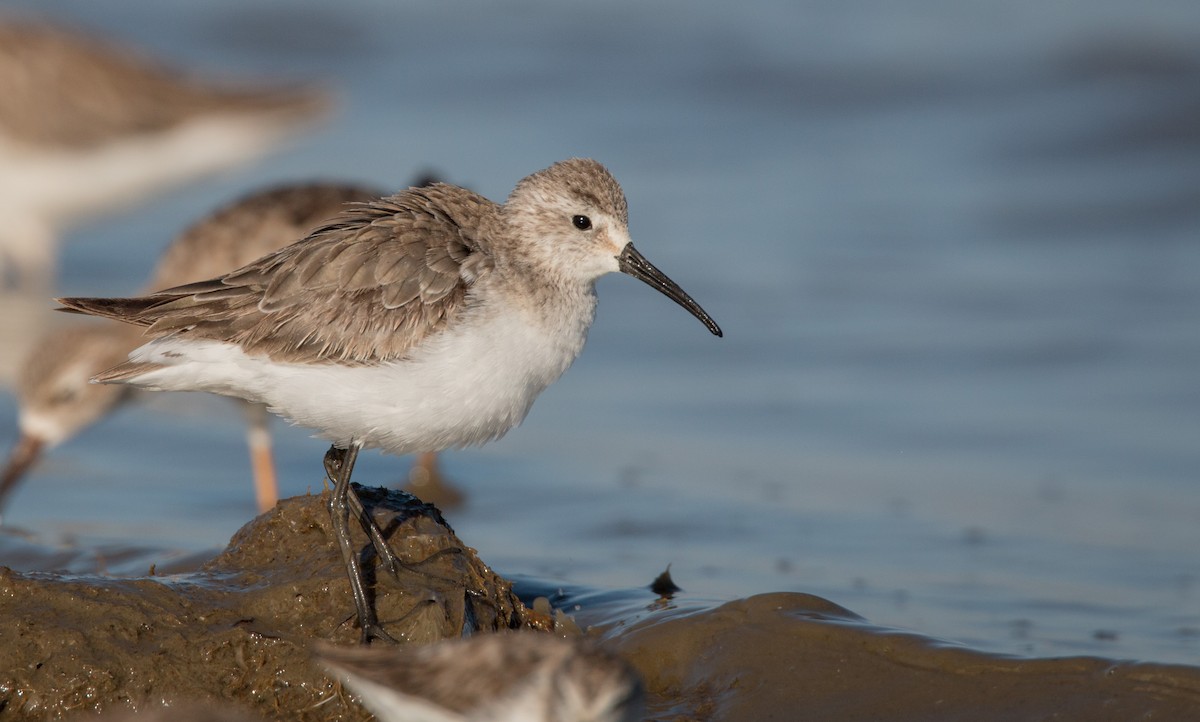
point(128, 310)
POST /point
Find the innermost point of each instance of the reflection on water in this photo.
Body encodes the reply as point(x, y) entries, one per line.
point(952, 245)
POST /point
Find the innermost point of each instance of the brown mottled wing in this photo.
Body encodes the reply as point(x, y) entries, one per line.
point(367, 288)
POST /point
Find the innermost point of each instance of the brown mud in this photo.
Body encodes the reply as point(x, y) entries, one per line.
point(238, 632)
point(795, 657)
point(239, 629)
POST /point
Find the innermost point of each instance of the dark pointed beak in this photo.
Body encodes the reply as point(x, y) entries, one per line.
point(635, 264)
point(23, 455)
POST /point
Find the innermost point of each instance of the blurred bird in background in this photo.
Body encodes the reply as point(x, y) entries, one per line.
point(87, 127)
point(55, 399)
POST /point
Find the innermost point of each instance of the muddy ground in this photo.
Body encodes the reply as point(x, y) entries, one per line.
point(238, 632)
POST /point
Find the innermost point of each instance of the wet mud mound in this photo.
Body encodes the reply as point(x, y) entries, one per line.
point(798, 657)
point(239, 630)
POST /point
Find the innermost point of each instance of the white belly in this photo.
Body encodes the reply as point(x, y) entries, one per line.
point(465, 386)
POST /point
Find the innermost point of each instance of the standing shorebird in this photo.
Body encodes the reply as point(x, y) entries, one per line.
point(427, 320)
point(87, 126)
point(518, 677)
point(55, 400)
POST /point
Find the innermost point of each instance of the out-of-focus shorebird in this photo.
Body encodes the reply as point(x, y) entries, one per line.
point(517, 677)
point(55, 399)
point(87, 126)
point(513, 677)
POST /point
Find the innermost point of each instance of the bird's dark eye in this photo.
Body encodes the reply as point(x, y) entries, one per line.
point(582, 222)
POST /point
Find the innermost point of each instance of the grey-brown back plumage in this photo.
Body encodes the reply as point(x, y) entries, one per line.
point(366, 288)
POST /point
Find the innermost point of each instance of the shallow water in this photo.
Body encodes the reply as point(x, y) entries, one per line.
point(953, 247)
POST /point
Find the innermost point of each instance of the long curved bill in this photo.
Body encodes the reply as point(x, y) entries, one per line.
point(27, 451)
point(635, 264)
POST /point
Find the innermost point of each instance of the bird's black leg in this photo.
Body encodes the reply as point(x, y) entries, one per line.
point(342, 461)
point(383, 550)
